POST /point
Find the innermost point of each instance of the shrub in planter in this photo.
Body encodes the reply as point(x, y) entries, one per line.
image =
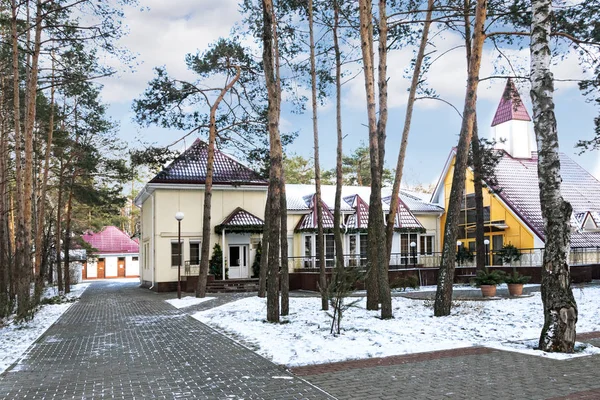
point(488, 280)
point(256, 263)
point(216, 263)
point(515, 282)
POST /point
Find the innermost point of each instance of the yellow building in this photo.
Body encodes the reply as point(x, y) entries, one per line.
point(237, 213)
point(512, 207)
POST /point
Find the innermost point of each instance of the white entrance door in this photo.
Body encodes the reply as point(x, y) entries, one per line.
point(238, 261)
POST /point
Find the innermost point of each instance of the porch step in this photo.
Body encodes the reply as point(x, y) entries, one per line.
point(232, 286)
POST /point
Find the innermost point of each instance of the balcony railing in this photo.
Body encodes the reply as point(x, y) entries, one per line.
point(527, 258)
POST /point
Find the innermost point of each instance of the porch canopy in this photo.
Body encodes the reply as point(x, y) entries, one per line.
point(240, 221)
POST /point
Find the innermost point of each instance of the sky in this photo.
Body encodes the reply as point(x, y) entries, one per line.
point(161, 34)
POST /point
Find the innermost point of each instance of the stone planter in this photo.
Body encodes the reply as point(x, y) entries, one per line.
point(515, 289)
point(488, 290)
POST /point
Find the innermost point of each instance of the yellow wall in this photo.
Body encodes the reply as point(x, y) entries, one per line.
point(517, 233)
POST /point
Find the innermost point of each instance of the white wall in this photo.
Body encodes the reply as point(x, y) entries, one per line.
point(92, 268)
point(132, 268)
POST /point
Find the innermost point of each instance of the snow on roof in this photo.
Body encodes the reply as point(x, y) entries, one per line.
point(242, 219)
point(518, 181)
point(190, 167)
point(511, 106)
point(111, 240)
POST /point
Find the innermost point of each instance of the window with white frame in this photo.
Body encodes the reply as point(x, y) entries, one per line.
point(308, 245)
point(194, 252)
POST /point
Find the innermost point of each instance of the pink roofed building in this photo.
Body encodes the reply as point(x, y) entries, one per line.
point(114, 254)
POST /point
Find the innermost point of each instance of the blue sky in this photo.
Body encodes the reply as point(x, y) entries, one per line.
point(167, 31)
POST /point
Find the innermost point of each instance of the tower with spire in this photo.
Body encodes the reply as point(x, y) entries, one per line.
point(511, 126)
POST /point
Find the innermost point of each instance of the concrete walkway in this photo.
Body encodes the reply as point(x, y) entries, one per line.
point(122, 342)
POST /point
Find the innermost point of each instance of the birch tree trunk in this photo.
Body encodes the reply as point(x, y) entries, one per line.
point(443, 297)
point(285, 273)
point(406, 130)
point(319, 205)
point(560, 309)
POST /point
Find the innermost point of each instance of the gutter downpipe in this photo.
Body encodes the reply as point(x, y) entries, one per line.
point(152, 241)
point(223, 250)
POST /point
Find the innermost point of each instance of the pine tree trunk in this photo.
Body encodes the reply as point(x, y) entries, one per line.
point(385, 296)
point(264, 261)
point(4, 267)
point(58, 244)
point(67, 242)
point(480, 252)
point(271, 65)
point(443, 297)
point(394, 202)
point(366, 38)
point(337, 232)
point(285, 273)
point(319, 205)
point(210, 161)
point(560, 309)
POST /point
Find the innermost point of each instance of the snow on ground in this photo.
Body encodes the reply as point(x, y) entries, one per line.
point(188, 301)
point(305, 339)
point(15, 339)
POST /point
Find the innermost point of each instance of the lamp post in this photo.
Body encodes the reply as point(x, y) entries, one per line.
point(179, 217)
point(459, 244)
point(487, 246)
point(413, 250)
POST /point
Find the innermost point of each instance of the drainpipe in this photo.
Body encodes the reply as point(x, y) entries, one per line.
point(152, 242)
point(223, 251)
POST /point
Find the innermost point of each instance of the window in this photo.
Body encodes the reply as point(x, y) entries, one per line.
point(194, 252)
point(175, 253)
point(363, 245)
point(426, 245)
point(134, 258)
point(329, 250)
point(468, 217)
point(352, 244)
point(308, 246)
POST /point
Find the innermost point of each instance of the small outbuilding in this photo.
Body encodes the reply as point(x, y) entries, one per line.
point(114, 255)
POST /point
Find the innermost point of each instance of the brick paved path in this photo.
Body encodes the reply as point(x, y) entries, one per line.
point(471, 373)
point(123, 342)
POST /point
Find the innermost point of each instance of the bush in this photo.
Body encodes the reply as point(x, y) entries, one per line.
point(343, 282)
point(464, 255)
point(485, 277)
point(410, 281)
point(256, 263)
point(215, 265)
point(515, 277)
point(509, 254)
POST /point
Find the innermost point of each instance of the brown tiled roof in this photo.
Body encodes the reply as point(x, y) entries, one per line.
point(190, 168)
point(241, 220)
point(308, 221)
point(404, 218)
point(511, 106)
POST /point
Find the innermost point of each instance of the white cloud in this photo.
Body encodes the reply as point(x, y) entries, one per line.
point(163, 35)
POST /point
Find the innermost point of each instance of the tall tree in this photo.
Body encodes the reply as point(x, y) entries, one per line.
point(443, 298)
point(560, 309)
point(317, 198)
point(389, 234)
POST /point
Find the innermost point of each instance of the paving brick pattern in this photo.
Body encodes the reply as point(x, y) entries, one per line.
point(122, 342)
point(488, 375)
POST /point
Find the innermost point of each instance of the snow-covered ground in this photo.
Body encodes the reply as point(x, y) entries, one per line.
point(15, 339)
point(305, 339)
point(187, 301)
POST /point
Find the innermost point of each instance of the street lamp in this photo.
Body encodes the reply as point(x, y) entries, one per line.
point(179, 217)
point(487, 258)
point(413, 250)
point(459, 244)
